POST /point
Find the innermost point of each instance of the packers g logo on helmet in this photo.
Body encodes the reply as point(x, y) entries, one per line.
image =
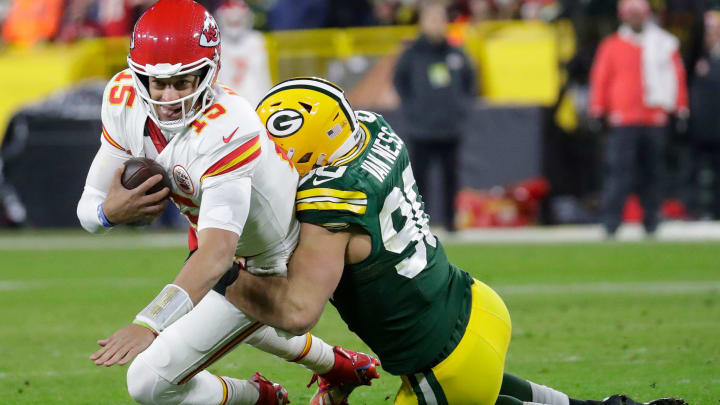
point(284, 123)
point(312, 121)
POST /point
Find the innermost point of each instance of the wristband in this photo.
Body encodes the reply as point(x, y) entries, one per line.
point(143, 324)
point(103, 219)
point(172, 303)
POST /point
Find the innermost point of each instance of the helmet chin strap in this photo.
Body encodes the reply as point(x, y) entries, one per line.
point(349, 143)
point(355, 149)
point(188, 116)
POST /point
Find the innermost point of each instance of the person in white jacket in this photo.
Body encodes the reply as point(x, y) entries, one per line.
point(244, 56)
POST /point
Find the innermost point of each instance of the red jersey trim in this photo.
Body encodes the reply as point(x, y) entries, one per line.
point(241, 156)
point(156, 135)
point(111, 141)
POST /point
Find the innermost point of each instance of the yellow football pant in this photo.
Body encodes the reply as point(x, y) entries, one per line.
point(473, 372)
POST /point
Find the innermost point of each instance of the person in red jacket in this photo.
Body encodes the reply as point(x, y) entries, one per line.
point(637, 81)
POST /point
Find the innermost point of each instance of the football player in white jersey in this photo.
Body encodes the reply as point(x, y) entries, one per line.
point(236, 188)
point(244, 55)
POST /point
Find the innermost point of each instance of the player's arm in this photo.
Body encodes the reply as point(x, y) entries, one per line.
point(105, 202)
point(223, 213)
point(295, 303)
point(213, 258)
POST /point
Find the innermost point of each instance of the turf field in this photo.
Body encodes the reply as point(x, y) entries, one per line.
point(589, 319)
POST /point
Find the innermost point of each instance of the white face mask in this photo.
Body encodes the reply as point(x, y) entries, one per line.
point(200, 99)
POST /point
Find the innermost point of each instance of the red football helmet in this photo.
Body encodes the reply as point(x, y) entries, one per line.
point(176, 37)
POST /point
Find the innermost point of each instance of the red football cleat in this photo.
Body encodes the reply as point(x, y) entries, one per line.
point(270, 393)
point(351, 369)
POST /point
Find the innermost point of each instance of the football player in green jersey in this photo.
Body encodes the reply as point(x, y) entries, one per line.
point(365, 245)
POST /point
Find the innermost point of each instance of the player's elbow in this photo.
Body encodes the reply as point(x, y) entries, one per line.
point(218, 246)
point(298, 324)
point(301, 318)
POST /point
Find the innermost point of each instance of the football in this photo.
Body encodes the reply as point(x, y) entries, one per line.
point(137, 170)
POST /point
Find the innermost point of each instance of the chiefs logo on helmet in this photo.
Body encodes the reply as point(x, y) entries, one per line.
point(210, 34)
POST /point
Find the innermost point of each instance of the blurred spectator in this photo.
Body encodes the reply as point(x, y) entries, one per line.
point(12, 144)
point(509, 9)
point(539, 10)
point(12, 210)
point(637, 79)
point(244, 58)
point(298, 14)
point(436, 85)
point(351, 13)
point(107, 18)
point(4, 8)
point(481, 10)
point(389, 12)
point(476, 12)
point(30, 21)
point(705, 120)
point(210, 5)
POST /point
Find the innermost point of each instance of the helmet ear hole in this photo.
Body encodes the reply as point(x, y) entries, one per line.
point(306, 106)
point(145, 80)
point(306, 158)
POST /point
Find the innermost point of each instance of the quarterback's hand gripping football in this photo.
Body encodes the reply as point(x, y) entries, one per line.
point(123, 206)
point(123, 345)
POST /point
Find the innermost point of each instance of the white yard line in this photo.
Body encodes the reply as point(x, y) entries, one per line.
point(661, 287)
point(657, 287)
point(677, 231)
point(47, 284)
point(75, 241)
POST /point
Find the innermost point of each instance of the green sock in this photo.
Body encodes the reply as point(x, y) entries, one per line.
point(507, 400)
point(516, 387)
point(521, 390)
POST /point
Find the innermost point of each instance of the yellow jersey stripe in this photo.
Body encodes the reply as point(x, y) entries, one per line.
point(305, 350)
point(331, 192)
point(225, 390)
point(243, 158)
point(111, 141)
point(331, 199)
point(357, 209)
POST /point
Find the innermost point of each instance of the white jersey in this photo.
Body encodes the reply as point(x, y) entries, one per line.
point(245, 66)
point(226, 145)
point(226, 173)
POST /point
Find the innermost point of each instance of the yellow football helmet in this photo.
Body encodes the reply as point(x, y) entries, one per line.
point(312, 121)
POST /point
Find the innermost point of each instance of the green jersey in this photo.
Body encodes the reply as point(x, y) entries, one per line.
point(405, 300)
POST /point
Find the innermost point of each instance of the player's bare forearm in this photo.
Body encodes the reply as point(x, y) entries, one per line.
point(263, 298)
point(123, 345)
point(296, 303)
point(216, 250)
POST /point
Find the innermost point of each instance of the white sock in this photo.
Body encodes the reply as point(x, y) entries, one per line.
point(241, 392)
point(547, 395)
point(146, 387)
point(203, 388)
point(307, 350)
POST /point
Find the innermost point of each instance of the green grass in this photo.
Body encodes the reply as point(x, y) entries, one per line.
point(588, 319)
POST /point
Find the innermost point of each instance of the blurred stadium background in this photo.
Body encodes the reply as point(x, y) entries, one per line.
point(531, 172)
point(528, 157)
